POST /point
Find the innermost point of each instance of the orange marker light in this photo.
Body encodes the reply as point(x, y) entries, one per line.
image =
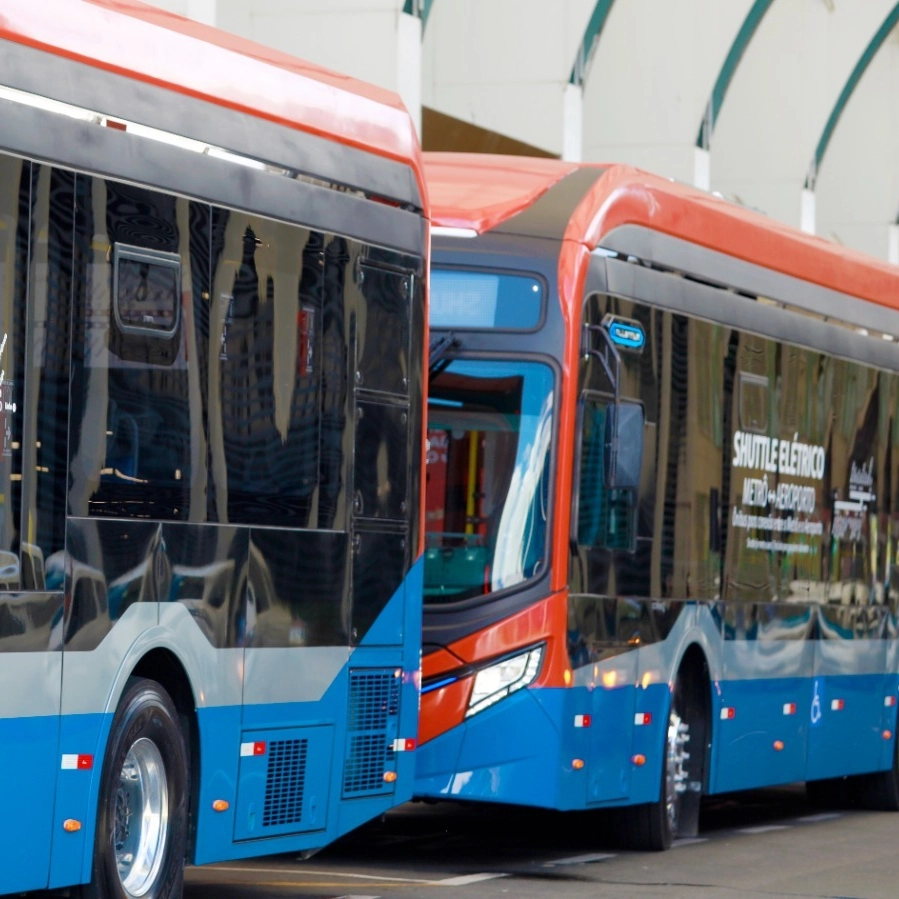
point(567, 677)
point(70, 825)
point(577, 764)
point(778, 745)
point(221, 805)
point(639, 760)
point(389, 777)
point(887, 735)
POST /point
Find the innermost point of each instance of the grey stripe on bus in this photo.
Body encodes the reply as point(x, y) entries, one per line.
point(34, 133)
point(37, 72)
point(660, 287)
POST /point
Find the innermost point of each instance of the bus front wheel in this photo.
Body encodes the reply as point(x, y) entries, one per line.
point(142, 815)
point(654, 825)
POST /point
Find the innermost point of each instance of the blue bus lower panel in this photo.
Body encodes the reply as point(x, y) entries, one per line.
point(81, 737)
point(294, 776)
point(528, 748)
point(760, 734)
point(297, 776)
point(778, 731)
point(28, 766)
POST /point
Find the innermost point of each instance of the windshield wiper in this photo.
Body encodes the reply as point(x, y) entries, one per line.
point(441, 352)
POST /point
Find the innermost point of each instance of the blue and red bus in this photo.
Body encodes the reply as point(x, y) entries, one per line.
point(662, 500)
point(212, 273)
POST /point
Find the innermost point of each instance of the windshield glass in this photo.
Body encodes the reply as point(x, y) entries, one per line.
point(489, 436)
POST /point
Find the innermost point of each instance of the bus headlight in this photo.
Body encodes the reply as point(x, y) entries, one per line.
point(497, 681)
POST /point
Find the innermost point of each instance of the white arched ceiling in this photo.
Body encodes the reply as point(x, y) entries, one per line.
point(367, 39)
point(774, 103)
point(503, 65)
point(781, 96)
point(857, 186)
point(650, 80)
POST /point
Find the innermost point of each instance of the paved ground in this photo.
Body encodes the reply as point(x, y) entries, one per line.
point(762, 845)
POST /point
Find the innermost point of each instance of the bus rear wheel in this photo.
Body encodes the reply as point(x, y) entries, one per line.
point(142, 816)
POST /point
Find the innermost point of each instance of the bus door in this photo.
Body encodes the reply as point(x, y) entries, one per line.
point(607, 628)
point(36, 205)
point(613, 709)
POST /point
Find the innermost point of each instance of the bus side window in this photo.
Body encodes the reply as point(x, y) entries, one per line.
point(611, 459)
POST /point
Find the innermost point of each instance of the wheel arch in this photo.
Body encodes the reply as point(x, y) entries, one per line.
point(693, 671)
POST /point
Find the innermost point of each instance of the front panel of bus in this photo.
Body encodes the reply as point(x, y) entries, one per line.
point(491, 624)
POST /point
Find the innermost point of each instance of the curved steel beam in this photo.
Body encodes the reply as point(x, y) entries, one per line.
point(421, 9)
point(882, 33)
point(589, 41)
point(735, 54)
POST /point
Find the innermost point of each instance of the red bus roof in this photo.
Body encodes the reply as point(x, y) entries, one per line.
point(151, 45)
point(481, 192)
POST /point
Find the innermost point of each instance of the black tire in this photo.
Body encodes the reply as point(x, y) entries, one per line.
point(653, 826)
point(879, 791)
point(146, 757)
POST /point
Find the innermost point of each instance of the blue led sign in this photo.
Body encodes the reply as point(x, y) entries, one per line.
point(626, 333)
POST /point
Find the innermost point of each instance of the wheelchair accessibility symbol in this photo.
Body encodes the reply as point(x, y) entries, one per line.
point(816, 705)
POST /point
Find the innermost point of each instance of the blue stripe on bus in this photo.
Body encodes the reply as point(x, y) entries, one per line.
point(28, 760)
point(223, 728)
point(77, 793)
point(521, 750)
point(44, 795)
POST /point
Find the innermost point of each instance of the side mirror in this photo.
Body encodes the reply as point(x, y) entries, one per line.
point(623, 449)
point(610, 464)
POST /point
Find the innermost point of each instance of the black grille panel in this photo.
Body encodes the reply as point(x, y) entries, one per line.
point(372, 722)
point(285, 782)
point(369, 759)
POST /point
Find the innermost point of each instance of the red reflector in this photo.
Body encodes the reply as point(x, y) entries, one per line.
point(581, 720)
point(790, 708)
point(838, 705)
point(642, 718)
point(728, 713)
point(259, 749)
point(85, 762)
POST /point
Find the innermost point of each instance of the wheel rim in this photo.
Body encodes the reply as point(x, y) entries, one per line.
point(141, 817)
point(676, 767)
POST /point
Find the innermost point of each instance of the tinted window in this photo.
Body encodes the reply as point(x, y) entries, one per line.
point(146, 288)
point(489, 433)
point(137, 436)
point(268, 311)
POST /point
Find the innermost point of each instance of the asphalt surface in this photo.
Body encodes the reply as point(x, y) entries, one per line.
point(762, 845)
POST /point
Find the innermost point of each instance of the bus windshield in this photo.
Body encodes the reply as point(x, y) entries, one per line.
point(489, 437)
